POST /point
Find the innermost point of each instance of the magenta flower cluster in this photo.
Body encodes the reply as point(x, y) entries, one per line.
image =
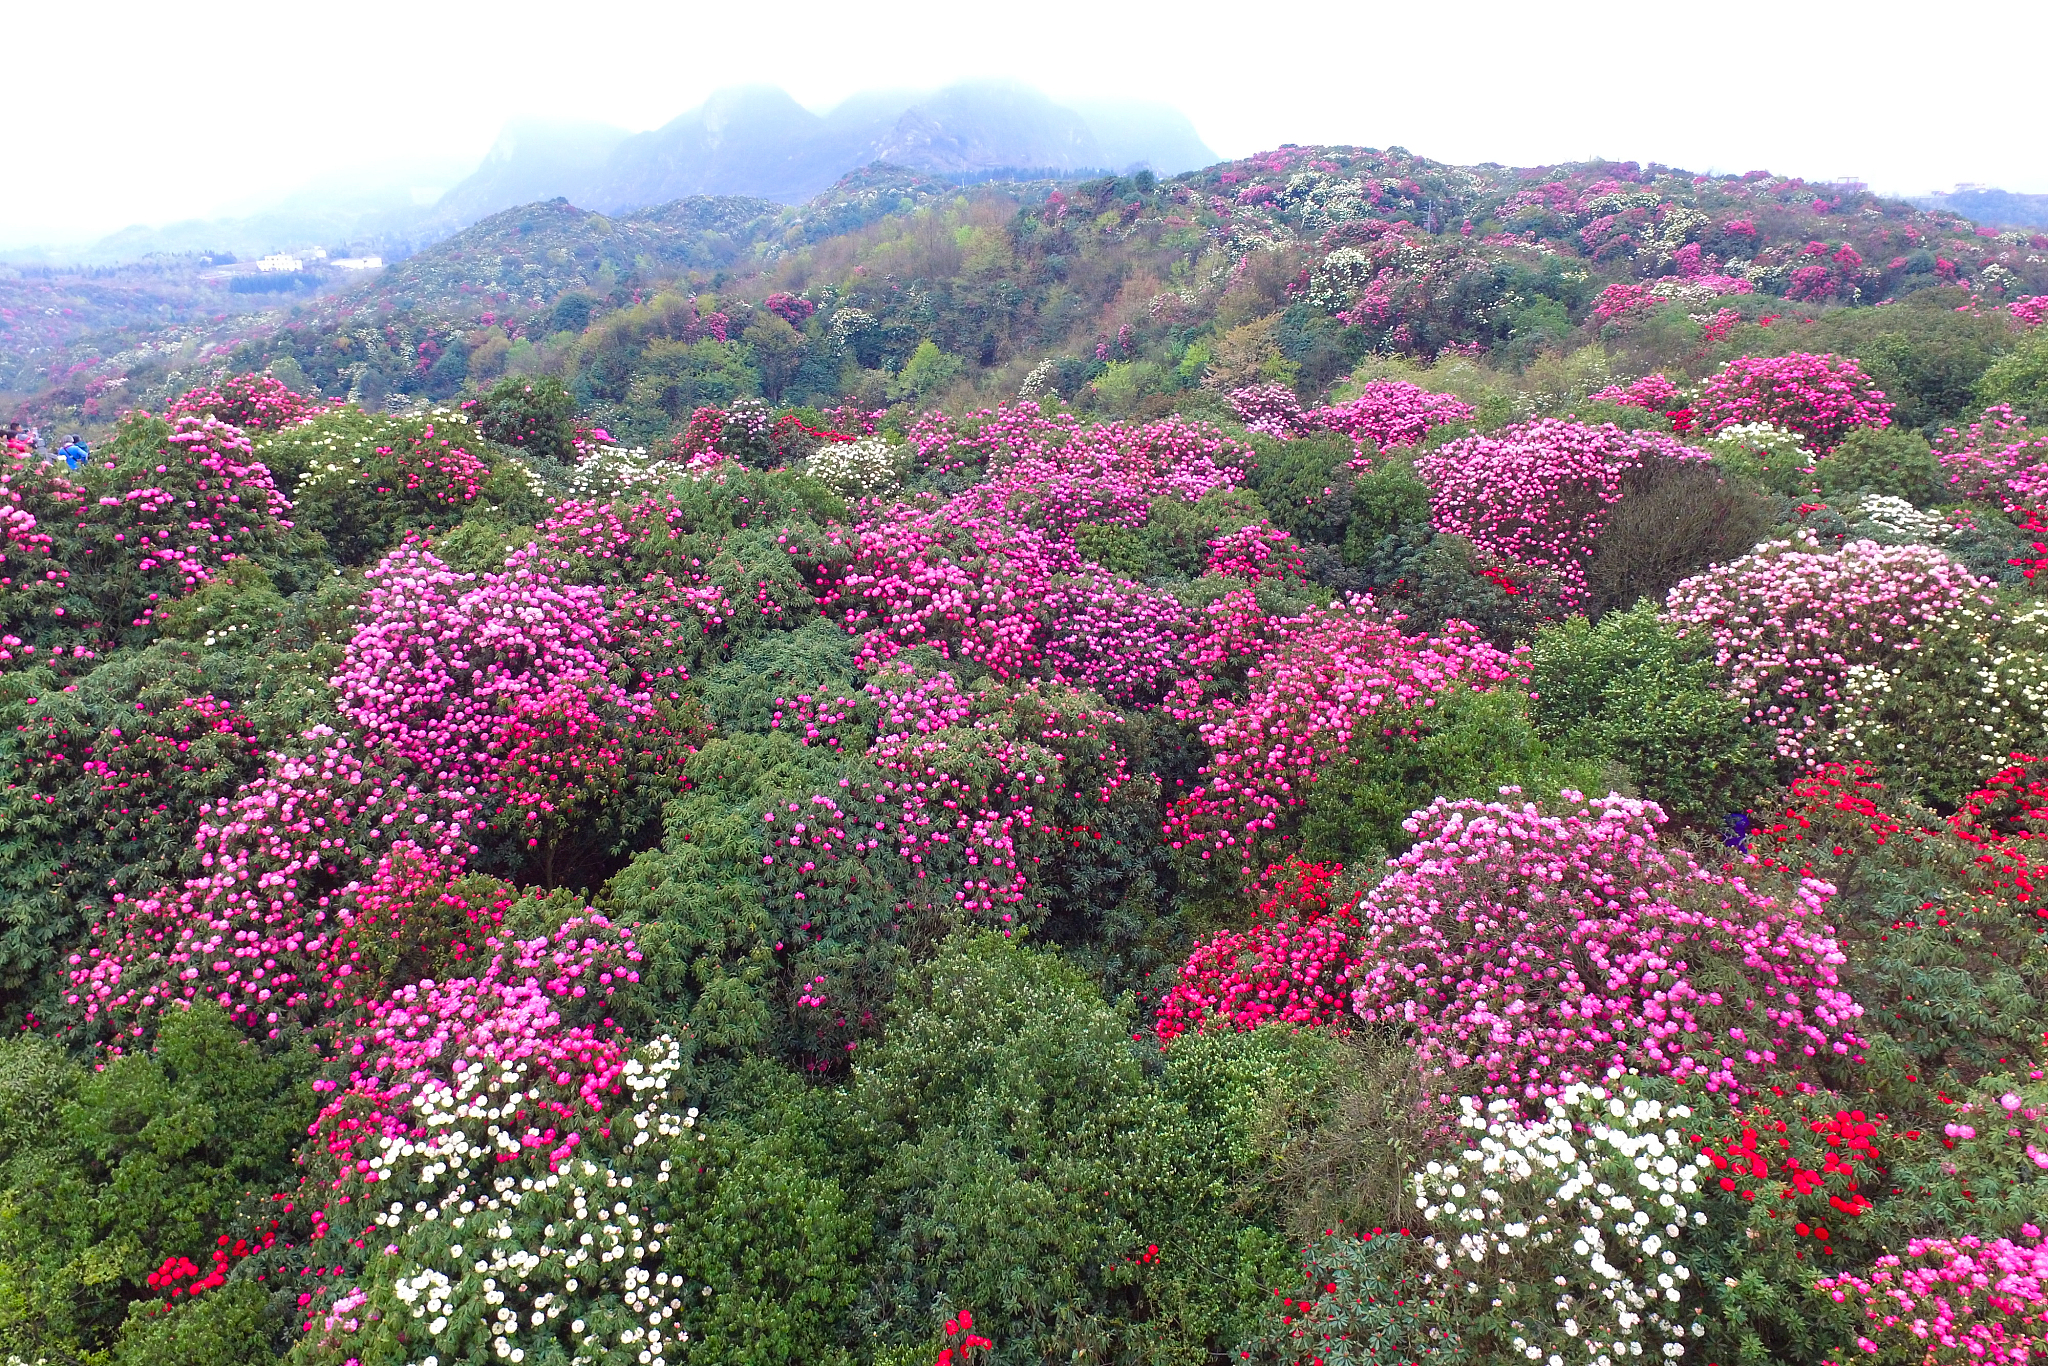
point(989, 575)
point(499, 687)
point(1821, 397)
point(1997, 458)
point(256, 403)
point(1333, 678)
point(1654, 392)
point(1954, 1300)
point(1260, 551)
point(1386, 413)
point(1540, 947)
point(1537, 494)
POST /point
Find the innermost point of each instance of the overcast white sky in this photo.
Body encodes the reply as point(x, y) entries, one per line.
point(129, 112)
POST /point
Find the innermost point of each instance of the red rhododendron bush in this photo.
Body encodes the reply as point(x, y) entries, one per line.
point(1305, 887)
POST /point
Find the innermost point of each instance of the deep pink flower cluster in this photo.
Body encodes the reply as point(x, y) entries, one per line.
point(521, 1008)
point(1283, 971)
point(1654, 392)
point(976, 576)
point(251, 933)
point(1386, 413)
point(1258, 552)
point(793, 309)
point(1132, 643)
point(1955, 1301)
point(2031, 311)
point(472, 680)
point(1333, 677)
point(1537, 494)
point(434, 467)
point(257, 403)
point(1787, 623)
point(1390, 412)
point(1543, 947)
point(1620, 300)
point(480, 701)
point(1821, 397)
point(1997, 458)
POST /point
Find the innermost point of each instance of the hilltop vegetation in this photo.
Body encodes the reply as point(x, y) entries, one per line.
point(1126, 296)
point(1195, 771)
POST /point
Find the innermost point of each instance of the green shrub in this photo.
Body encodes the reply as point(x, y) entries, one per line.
point(2019, 378)
point(1630, 691)
point(110, 1170)
point(1028, 1167)
point(1767, 456)
point(1468, 745)
point(1306, 487)
point(1674, 519)
point(535, 413)
point(101, 788)
point(1893, 460)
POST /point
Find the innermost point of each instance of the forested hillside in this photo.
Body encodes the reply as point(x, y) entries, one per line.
point(1336, 759)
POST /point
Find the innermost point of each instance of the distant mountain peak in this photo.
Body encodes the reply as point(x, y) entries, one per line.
point(756, 140)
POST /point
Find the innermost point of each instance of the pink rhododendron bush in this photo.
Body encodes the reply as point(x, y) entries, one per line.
point(1655, 392)
point(1334, 678)
point(1999, 459)
point(1386, 412)
point(1964, 1299)
point(1539, 493)
point(1540, 945)
point(1822, 398)
point(1787, 622)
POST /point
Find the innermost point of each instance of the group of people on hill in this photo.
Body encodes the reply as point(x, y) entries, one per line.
point(74, 452)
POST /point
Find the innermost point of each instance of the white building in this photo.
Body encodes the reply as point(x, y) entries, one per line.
point(278, 262)
point(358, 263)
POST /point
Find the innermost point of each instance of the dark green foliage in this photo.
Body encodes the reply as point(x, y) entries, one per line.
point(1893, 460)
point(2019, 379)
point(1674, 519)
point(781, 1249)
point(1384, 500)
point(815, 660)
point(1027, 1163)
point(536, 414)
point(233, 1325)
point(1432, 579)
point(1306, 488)
point(110, 1171)
point(1467, 745)
point(1630, 691)
point(1362, 1301)
point(1927, 357)
point(103, 786)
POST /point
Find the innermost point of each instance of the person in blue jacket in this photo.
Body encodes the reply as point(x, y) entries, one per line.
point(74, 451)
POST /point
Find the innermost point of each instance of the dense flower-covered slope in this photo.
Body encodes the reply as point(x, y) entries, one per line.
point(1523, 848)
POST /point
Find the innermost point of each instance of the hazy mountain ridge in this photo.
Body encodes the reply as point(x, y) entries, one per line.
point(1991, 207)
point(756, 140)
point(743, 140)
